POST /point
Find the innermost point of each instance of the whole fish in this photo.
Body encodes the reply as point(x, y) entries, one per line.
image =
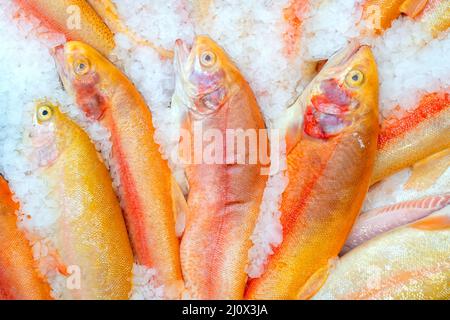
point(225, 195)
point(411, 262)
point(76, 19)
point(330, 159)
point(106, 96)
point(90, 231)
point(377, 221)
point(19, 275)
point(413, 137)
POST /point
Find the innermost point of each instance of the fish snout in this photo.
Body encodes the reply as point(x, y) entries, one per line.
point(58, 54)
point(182, 52)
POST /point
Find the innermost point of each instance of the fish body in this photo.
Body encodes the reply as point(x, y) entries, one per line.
point(76, 19)
point(225, 195)
point(426, 172)
point(417, 135)
point(411, 262)
point(379, 14)
point(329, 168)
point(90, 242)
point(377, 221)
point(110, 15)
point(19, 275)
point(104, 94)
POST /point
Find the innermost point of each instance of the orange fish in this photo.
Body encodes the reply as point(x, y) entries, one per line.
point(419, 134)
point(19, 275)
point(331, 151)
point(225, 194)
point(105, 95)
point(76, 19)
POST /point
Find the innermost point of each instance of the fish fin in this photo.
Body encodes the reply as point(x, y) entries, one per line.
point(183, 183)
point(292, 123)
point(434, 222)
point(427, 171)
point(180, 114)
point(314, 283)
point(180, 208)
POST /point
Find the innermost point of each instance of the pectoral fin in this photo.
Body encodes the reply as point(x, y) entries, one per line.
point(292, 124)
point(314, 283)
point(438, 221)
point(180, 208)
point(427, 171)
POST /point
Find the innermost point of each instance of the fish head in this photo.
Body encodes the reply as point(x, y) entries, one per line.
point(50, 133)
point(344, 92)
point(84, 73)
point(205, 75)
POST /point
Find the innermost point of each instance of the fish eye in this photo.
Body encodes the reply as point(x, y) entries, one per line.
point(44, 112)
point(81, 66)
point(354, 78)
point(208, 59)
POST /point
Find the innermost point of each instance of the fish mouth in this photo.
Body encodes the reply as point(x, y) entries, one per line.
point(184, 67)
point(182, 53)
point(343, 56)
point(58, 54)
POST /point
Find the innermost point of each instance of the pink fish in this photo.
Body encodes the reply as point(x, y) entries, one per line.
point(380, 220)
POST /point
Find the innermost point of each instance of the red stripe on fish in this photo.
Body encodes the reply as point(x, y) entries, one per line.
point(429, 107)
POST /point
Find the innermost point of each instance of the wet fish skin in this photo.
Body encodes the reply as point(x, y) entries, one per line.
point(59, 15)
point(410, 262)
point(224, 197)
point(106, 96)
point(377, 221)
point(19, 275)
point(419, 134)
point(380, 13)
point(329, 167)
point(91, 232)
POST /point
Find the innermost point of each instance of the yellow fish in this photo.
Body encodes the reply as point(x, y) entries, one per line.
point(91, 233)
point(411, 262)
